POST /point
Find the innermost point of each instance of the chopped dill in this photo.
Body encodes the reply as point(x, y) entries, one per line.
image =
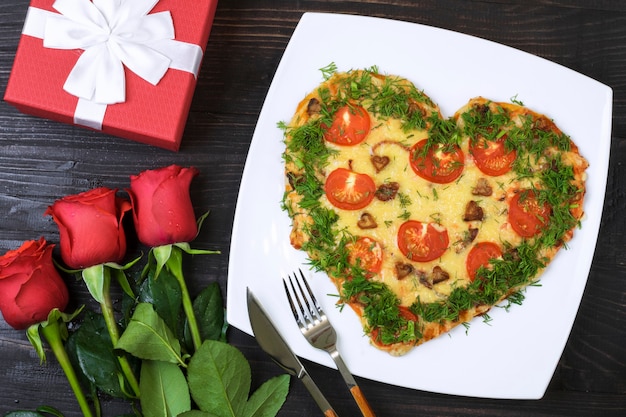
point(328, 70)
point(395, 98)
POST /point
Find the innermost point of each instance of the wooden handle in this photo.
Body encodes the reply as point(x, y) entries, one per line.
point(330, 413)
point(364, 406)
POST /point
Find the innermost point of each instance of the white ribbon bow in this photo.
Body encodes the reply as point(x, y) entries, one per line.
point(113, 34)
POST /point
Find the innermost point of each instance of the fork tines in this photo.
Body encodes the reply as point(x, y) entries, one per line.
point(313, 310)
point(318, 331)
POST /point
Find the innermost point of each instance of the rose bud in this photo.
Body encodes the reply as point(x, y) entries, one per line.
point(90, 227)
point(162, 207)
point(30, 285)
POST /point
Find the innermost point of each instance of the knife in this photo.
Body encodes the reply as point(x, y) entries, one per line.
point(274, 345)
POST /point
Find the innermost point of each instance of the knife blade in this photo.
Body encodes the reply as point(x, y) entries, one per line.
point(273, 344)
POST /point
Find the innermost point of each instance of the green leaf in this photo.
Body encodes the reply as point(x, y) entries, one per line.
point(161, 255)
point(41, 411)
point(49, 410)
point(24, 413)
point(219, 379)
point(165, 295)
point(94, 279)
point(175, 262)
point(55, 317)
point(120, 275)
point(184, 246)
point(124, 267)
point(83, 380)
point(93, 352)
point(56, 314)
point(148, 337)
point(201, 220)
point(196, 413)
point(122, 279)
point(209, 310)
point(35, 339)
point(164, 391)
point(219, 382)
point(268, 398)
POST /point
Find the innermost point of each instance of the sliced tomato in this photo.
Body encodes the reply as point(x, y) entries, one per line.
point(349, 190)
point(350, 126)
point(405, 313)
point(526, 216)
point(492, 157)
point(422, 242)
point(439, 163)
point(366, 253)
point(481, 255)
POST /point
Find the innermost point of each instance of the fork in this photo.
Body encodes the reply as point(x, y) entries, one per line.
point(318, 331)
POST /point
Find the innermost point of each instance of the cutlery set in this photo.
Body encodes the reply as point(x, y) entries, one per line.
point(317, 330)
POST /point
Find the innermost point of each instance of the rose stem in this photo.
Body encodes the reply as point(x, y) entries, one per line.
point(109, 318)
point(53, 335)
point(175, 265)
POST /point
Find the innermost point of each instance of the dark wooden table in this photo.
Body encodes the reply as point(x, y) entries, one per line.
point(42, 160)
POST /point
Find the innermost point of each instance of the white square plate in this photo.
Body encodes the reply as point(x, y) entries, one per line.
point(515, 355)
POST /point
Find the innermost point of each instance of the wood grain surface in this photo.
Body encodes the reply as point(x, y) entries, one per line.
point(41, 161)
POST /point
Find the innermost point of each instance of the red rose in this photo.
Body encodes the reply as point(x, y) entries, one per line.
point(90, 227)
point(30, 285)
point(162, 206)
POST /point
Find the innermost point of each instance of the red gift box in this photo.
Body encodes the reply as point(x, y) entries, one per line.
point(152, 112)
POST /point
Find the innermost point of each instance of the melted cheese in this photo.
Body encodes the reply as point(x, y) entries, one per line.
point(443, 205)
point(419, 199)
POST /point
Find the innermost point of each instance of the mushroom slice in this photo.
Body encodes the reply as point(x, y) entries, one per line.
point(387, 191)
point(473, 212)
point(314, 107)
point(379, 162)
point(439, 275)
point(403, 270)
point(435, 277)
point(468, 237)
point(482, 188)
point(367, 221)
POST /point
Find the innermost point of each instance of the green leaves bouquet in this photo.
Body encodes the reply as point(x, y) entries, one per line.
point(162, 351)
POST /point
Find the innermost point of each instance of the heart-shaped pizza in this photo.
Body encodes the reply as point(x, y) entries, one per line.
point(423, 221)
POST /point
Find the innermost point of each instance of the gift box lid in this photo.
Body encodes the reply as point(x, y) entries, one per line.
point(157, 53)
